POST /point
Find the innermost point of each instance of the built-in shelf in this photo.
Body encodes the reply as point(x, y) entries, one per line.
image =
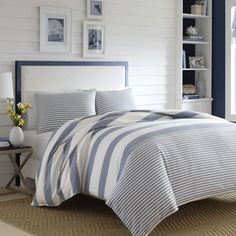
point(194, 47)
point(196, 42)
point(192, 16)
point(195, 69)
point(198, 100)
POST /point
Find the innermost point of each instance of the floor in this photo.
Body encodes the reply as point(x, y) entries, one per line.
point(6, 229)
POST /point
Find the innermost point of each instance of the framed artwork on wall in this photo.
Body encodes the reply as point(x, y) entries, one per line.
point(95, 9)
point(93, 39)
point(55, 29)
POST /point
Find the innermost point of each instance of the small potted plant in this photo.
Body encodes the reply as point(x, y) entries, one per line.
point(16, 135)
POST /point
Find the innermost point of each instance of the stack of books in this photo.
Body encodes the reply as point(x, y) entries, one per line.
point(4, 142)
point(196, 38)
point(187, 97)
point(184, 65)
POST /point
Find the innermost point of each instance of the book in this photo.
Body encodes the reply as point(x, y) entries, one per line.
point(6, 139)
point(184, 59)
point(4, 142)
point(186, 97)
point(194, 38)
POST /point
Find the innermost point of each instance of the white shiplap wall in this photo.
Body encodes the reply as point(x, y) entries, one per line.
point(142, 32)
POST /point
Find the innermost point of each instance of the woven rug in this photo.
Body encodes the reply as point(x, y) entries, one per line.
point(84, 216)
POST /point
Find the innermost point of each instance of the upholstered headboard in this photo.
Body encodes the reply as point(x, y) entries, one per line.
point(56, 76)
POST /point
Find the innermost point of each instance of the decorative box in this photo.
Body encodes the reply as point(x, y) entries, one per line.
point(196, 9)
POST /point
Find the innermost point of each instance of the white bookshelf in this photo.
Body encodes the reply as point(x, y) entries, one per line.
point(195, 43)
point(193, 16)
point(195, 69)
point(197, 100)
point(204, 25)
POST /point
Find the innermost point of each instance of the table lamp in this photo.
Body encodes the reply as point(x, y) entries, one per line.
point(6, 86)
point(6, 91)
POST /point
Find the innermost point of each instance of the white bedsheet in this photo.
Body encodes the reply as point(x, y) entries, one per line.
point(37, 141)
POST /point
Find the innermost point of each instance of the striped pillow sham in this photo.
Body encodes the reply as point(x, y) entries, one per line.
point(114, 100)
point(54, 109)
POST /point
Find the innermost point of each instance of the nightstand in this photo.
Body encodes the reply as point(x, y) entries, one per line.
point(11, 152)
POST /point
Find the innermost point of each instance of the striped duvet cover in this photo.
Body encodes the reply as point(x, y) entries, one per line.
point(144, 164)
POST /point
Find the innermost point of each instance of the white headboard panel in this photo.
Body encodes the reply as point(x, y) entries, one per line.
point(60, 76)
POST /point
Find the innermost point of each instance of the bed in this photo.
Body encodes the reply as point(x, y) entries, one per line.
point(144, 164)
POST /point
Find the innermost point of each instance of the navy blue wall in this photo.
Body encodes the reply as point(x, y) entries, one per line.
point(218, 76)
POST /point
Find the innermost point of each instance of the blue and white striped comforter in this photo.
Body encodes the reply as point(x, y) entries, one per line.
point(144, 164)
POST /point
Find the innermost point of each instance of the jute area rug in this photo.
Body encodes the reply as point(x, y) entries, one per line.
point(84, 216)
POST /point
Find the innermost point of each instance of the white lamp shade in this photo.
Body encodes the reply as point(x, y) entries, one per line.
point(6, 86)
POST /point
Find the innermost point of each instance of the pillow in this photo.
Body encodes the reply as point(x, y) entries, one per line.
point(114, 100)
point(56, 108)
point(31, 117)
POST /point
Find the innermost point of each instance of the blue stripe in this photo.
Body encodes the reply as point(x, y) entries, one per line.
point(105, 121)
point(141, 111)
point(112, 114)
point(64, 134)
point(47, 185)
point(107, 158)
point(66, 149)
point(93, 154)
point(185, 115)
point(151, 117)
point(74, 172)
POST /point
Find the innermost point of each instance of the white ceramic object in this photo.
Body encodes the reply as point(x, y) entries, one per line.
point(16, 136)
point(201, 86)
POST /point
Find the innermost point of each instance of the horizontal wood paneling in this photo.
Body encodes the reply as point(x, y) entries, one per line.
point(142, 32)
point(4, 131)
point(5, 122)
point(18, 23)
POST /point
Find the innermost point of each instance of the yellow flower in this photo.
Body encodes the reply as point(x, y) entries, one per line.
point(27, 105)
point(21, 122)
point(15, 116)
point(23, 110)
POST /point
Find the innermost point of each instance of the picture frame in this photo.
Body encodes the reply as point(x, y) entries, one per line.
point(55, 29)
point(93, 39)
point(95, 9)
point(197, 63)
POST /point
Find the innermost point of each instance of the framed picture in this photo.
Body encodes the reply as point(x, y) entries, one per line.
point(95, 9)
point(55, 29)
point(93, 39)
point(197, 62)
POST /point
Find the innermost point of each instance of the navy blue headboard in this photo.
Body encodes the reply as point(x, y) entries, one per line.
point(20, 64)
